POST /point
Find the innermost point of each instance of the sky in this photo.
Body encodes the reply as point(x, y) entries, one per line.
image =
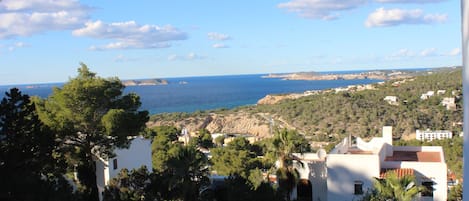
point(43, 41)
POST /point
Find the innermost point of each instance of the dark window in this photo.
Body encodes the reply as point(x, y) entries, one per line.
point(428, 191)
point(114, 163)
point(358, 188)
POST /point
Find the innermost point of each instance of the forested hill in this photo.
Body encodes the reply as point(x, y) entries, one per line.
point(330, 115)
point(364, 113)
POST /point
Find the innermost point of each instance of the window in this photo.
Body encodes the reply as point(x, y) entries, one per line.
point(428, 191)
point(358, 188)
point(114, 163)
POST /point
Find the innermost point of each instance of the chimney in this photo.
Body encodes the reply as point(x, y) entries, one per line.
point(387, 139)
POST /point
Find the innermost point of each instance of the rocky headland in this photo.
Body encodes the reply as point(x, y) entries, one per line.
point(375, 75)
point(146, 82)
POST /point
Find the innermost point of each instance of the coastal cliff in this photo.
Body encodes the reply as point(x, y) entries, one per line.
point(241, 122)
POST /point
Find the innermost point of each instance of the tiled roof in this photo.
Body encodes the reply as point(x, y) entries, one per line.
point(401, 172)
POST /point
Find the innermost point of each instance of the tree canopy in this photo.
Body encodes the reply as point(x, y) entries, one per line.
point(30, 168)
point(91, 117)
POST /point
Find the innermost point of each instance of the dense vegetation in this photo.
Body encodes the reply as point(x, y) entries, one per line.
point(30, 168)
point(44, 140)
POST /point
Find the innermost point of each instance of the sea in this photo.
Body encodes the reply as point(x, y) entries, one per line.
point(190, 94)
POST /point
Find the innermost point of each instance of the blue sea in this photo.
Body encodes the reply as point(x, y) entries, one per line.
point(206, 93)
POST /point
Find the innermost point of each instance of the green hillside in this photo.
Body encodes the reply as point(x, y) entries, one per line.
point(364, 113)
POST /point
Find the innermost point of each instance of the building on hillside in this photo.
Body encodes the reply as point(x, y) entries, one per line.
point(248, 137)
point(427, 95)
point(392, 100)
point(430, 135)
point(440, 92)
point(340, 89)
point(347, 172)
point(137, 155)
point(449, 103)
point(184, 137)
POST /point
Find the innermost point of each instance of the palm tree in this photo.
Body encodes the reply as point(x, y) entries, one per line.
point(394, 188)
point(188, 170)
point(285, 143)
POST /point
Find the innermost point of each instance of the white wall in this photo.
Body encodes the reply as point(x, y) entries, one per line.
point(344, 169)
point(314, 170)
point(138, 154)
point(101, 174)
point(424, 171)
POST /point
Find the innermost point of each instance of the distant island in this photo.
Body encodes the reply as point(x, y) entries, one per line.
point(145, 82)
point(375, 75)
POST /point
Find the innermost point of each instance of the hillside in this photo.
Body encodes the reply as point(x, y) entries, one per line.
point(329, 115)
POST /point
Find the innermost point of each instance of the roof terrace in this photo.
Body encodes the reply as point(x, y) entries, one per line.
point(417, 156)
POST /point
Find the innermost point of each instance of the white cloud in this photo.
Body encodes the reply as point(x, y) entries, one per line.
point(193, 56)
point(393, 17)
point(122, 58)
point(220, 45)
point(28, 17)
point(218, 36)
point(402, 53)
point(453, 52)
point(130, 35)
point(16, 46)
point(409, 1)
point(189, 57)
point(173, 57)
point(320, 9)
point(429, 52)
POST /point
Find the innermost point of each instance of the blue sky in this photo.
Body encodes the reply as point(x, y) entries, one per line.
point(45, 40)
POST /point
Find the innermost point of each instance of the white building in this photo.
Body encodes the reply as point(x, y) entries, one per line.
point(313, 176)
point(347, 172)
point(440, 92)
point(427, 95)
point(137, 155)
point(449, 103)
point(391, 100)
point(429, 135)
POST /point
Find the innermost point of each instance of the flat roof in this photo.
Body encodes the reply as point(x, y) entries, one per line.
point(417, 156)
point(358, 151)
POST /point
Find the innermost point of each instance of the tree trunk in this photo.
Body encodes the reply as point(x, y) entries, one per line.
point(87, 177)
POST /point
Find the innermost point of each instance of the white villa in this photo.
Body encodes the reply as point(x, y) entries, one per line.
point(449, 103)
point(427, 95)
point(429, 135)
point(347, 172)
point(138, 154)
point(392, 100)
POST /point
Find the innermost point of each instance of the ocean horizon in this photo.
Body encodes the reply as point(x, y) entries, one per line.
point(190, 94)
